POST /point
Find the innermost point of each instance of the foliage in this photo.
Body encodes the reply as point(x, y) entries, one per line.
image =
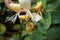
point(46, 29)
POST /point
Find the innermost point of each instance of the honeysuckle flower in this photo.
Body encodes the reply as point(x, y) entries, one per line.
point(15, 7)
point(24, 5)
point(29, 27)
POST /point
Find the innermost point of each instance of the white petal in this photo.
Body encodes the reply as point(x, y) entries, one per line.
point(25, 4)
point(31, 15)
point(12, 18)
point(37, 17)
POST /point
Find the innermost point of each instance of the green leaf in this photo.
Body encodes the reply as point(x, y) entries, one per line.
point(22, 26)
point(1, 1)
point(55, 17)
point(34, 2)
point(16, 27)
point(15, 37)
point(2, 28)
point(1, 37)
point(58, 1)
point(37, 35)
point(54, 32)
point(44, 3)
point(46, 23)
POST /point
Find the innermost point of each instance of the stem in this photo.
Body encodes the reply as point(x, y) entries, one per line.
point(53, 10)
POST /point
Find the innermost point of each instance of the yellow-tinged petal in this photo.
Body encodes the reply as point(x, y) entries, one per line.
point(23, 17)
point(29, 26)
point(15, 7)
point(38, 6)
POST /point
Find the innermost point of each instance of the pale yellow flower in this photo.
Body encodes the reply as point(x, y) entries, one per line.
point(29, 27)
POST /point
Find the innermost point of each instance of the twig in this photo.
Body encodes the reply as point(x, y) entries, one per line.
point(53, 10)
